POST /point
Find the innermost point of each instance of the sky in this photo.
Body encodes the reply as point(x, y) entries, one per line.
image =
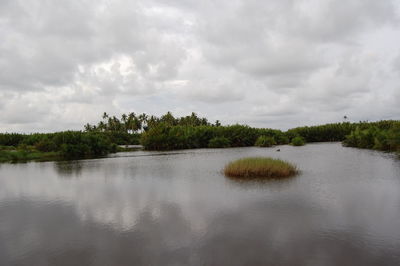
point(274, 63)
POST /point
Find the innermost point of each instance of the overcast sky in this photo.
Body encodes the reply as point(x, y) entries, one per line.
point(278, 64)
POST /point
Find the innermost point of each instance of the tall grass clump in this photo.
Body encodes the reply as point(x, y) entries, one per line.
point(265, 141)
point(260, 167)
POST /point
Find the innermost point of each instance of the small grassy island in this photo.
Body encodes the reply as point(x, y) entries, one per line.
point(260, 167)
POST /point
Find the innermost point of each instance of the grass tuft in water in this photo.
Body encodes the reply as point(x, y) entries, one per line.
point(260, 167)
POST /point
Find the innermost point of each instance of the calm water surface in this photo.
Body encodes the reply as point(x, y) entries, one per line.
point(176, 208)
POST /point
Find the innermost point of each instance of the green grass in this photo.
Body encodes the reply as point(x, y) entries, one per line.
point(260, 167)
point(26, 155)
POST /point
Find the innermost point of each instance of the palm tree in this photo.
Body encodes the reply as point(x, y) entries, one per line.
point(88, 127)
point(131, 120)
point(101, 126)
point(110, 124)
point(143, 118)
point(124, 119)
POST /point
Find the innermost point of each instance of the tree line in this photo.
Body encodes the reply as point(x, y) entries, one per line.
point(68, 144)
point(374, 137)
point(134, 123)
point(168, 132)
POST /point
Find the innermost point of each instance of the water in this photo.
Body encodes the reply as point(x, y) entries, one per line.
point(176, 208)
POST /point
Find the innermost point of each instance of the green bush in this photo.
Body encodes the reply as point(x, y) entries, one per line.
point(383, 136)
point(298, 141)
point(45, 145)
point(219, 142)
point(11, 139)
point(69, 144)
point(156, 138)
point(166, 137)
point(265, 141)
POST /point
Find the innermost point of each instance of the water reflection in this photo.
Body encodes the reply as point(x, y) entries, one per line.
point(178, 209)
point(260, 182)
point(68, 168)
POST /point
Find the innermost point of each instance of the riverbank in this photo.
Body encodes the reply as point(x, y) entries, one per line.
point(177, 134)
point(10, 154)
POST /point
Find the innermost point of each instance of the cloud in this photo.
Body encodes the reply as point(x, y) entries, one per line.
point(273, 64)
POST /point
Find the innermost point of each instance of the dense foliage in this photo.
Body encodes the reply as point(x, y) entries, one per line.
point(385, 138)
point(219, 142)
point(335, 131)
point(298, 141)
point(167, 137)
point(169, 133)
point(67, 143)
point(132, 123)
point(265, 141)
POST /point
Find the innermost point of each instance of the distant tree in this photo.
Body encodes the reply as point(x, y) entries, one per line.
point(88, 127)
point(169, 119)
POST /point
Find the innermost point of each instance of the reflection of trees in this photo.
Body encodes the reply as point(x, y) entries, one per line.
point(249, 183)
point(68, 168)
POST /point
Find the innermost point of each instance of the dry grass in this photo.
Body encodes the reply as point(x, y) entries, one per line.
point(260, 167)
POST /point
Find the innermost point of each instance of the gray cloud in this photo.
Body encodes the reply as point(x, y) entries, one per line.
point(272, 63)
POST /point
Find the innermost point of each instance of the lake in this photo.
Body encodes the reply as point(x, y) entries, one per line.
point(177, 208)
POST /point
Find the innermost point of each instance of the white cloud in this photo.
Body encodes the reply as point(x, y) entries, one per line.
point(271, 64)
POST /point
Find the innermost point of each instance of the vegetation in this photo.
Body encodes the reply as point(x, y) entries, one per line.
point(335, 131)
point(67, 144)
point(170, 133)
point(374, 137)
point(260, 167)
point(265, 141)
point(13, 155)
point(298, 141)
point(167, 137)
point(132, 123)
point(219, 142)
point(322, 133)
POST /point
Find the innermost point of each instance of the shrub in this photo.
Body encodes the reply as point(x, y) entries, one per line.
point(166, 137)
point(265, 141)
point(384, 136)
point(298, 141)
point(11, 139)
point(219, 142)
point(45, 145)
point(157, 138)
point(281, 138)
point(259, 167)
